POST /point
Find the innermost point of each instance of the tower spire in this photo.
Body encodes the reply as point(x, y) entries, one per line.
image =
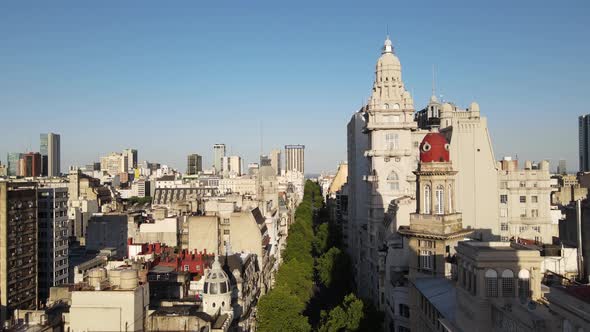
point(387, 46)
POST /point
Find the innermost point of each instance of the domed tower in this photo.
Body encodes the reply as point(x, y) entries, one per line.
point(436, 227)
point(216, 290)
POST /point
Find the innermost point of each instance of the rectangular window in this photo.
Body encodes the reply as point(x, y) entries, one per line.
point(534, 213)
point(492, 287)
point(186, 267)
point(534, 199)
point(392, 141)
point(426, 259)
point(504, 199)
point(226, 231)
point(508, 287)
point(522, 184)
point(504, 226)
point(503, 212)
point(504, 239)
point(523, 199)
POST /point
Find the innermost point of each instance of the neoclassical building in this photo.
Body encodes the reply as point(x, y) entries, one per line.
point(382, 151)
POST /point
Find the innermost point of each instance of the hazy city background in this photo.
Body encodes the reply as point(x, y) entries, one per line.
point(149, 76)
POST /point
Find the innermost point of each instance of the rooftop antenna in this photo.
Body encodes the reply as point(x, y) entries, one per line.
point(387, 29)
point(261, 140)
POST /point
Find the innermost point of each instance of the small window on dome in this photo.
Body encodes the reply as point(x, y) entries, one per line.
point(213, 289)
point(223, 287)
point(206, 288)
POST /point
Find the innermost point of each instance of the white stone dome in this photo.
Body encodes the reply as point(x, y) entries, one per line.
point(216, 281)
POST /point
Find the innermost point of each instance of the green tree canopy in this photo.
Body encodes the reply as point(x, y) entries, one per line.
point(345, 317)
point(280, 310)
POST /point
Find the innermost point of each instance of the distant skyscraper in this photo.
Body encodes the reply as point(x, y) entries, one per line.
point(265, 160)
point(194, 164)
point(561, 167)
point(584, 142)
point(218, 154)
point(275, 160)
point(232, 166)
point(50, 149)
point(30, 164)
point(295, 158)
point(131, 159)
point(13, 163)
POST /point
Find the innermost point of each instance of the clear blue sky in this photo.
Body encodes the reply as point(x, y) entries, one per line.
point(174, 79)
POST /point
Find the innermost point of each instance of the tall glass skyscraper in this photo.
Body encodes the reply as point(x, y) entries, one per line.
point(584, 142)
point(13, 160)
point(50, 149)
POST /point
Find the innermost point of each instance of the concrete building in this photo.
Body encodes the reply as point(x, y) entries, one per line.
point(525, 201)
point(473, 156)
point(13, 159)
point(114, 163)
point(435, 228)
point(107, 231)
point(240, 185)
point(382, 154)
point(295, 158)
point(584, 142)
point(275, 161)
point(50, 149)
point(194, 164)
point(53, 233)
point(3, 170)
point(131, 159)
point(30, 164)
point(561, 167)
point(86, 197)
point(218, 154)
point(109, 302)
point(232, 166)
point(18, 247)
point(568, 190)
point(572, 306)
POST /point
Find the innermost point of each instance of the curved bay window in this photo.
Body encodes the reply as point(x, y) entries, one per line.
point(439, 207)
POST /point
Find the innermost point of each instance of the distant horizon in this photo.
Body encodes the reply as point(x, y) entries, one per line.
point(171, 81)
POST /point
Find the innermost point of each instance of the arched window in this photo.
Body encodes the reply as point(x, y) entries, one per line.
point(427, 199)
point(508, 283)
point(386, 106)
point(524, 287)
point(491, 277)
point(440, 200)
point(393, 180)
point(450, 194)
point(396, 106)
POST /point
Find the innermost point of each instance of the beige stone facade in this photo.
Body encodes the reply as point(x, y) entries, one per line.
point(525, 201)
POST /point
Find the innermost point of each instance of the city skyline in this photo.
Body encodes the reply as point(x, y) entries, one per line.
point(116, 67)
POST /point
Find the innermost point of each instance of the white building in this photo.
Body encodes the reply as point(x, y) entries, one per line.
point(114, 163)
point(116, 302)
point(232, 166)
point(218, 154)
point(383, 141)
point(525, 201)
point(295, 158)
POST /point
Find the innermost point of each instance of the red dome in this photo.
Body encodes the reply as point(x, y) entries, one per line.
point(434, 148)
